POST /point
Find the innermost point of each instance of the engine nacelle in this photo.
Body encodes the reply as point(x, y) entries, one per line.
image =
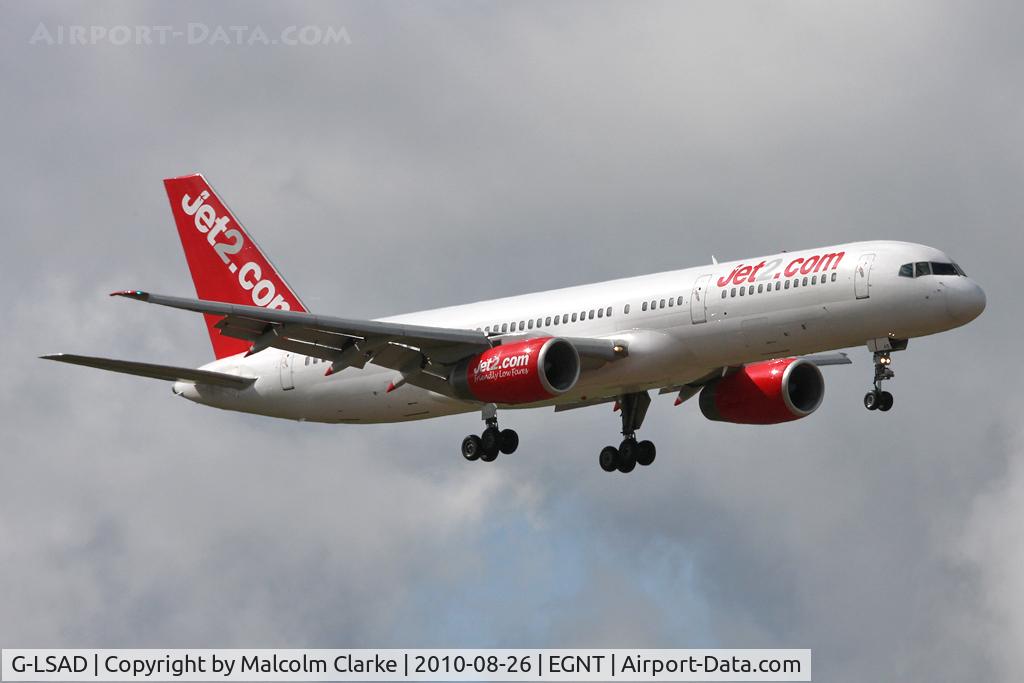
point(520, 372)
point(765, 393)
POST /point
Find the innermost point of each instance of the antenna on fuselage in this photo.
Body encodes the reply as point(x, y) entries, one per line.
point(714, 261)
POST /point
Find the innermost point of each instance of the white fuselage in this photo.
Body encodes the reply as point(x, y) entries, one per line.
point(679, 326)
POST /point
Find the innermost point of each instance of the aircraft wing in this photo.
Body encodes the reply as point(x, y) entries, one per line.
point(421, 354)
point(165, 372)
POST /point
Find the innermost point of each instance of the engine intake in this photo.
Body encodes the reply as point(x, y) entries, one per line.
point(765, 393)
point(521, 372)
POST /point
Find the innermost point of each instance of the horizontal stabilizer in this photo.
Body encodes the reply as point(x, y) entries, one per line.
point(165, 372)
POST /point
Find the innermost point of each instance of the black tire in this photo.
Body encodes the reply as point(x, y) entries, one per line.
point(871, 400)
point(609, 458)
point(491, 439)
point(627, 456)
point(645, 453)
point(488, 456)
point(471, 448)
point(508, 441)
point(885, 401)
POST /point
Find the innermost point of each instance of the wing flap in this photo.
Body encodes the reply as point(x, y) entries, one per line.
point(155, 371)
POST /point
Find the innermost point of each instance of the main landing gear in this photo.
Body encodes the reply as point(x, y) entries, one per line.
point(493, 440)
point(876, 399)
point(630, 452)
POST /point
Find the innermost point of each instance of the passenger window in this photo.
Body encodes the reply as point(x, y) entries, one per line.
point(796, 283)
point(724, 293)
point(787, 285)
point(662, 304)
point(778, 285)
point(504, 328)
point(760, 289)
point(814, 279)
point(922, 268)
point(679, 301)
point(574, 317)
point(547, 321)
point(670, 302)
point(732, 292)
point(307, 360)
point(906, 270)
point(750, 290)
point(833, 277)
point(805, 282)
point(625, 309)
point(600, 313)
point(743, 291)
point(530, 325)
point(644, 307)
point(608, 311)
point(591, 316)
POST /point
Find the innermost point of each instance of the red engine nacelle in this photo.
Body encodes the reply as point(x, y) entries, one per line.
point(520, 372)
point(765, 393)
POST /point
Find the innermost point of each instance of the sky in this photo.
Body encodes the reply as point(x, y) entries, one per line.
point(453, 152)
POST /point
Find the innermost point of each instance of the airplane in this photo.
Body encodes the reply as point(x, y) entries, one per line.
point(748, 336)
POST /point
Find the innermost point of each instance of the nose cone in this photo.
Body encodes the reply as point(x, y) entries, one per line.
point(965, 302)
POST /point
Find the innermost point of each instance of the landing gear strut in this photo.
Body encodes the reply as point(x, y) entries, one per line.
point(876, 399)
point(493, 440)
point(630, 453)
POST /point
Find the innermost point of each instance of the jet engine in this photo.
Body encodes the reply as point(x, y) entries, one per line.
point(520, 372)
point(769, 392)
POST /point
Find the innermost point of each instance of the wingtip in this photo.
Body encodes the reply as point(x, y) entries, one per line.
point(132, 294)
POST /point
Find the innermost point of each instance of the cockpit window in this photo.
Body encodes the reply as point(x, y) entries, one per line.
point(922, 268)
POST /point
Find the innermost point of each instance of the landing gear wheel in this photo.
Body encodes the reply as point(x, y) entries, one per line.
point(471, 448)
point(885, 401)
point(609, 458)
point(508, 441)
point(872, 400)
point(627, 456)
point(645, 453)
point(491, 439)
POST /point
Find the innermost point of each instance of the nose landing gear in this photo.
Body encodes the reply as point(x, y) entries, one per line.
point(876, 399)
point(630, 452)
point(493, 440)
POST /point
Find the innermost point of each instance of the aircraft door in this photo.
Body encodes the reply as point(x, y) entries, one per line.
point(698, 300)
point(862, 276)
point(287, 371)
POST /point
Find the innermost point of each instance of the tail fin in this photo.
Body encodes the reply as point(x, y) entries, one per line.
point(225, 262)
